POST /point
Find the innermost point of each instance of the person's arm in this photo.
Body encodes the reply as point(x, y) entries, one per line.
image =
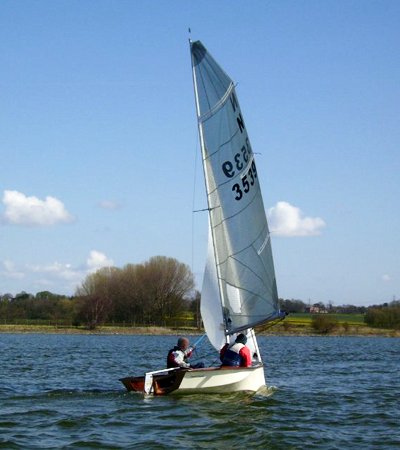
point(246, 356)
point(178, 359)
point(188, 352)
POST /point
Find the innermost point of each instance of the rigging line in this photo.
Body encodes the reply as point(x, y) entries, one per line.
point(194, 197)
point(201, 210)
point(199, 340)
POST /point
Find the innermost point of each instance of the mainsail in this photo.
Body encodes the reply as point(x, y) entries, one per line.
point(240, 247)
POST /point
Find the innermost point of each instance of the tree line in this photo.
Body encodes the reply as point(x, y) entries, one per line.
point(298, 306)
point(384, 316)
point(153, 292)
point(157, 292)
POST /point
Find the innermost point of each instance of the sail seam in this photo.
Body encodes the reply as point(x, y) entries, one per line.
point(209, 155)
point(217, 79)
point(240, 211)
point(204, 89)
point(240, 174)
point(249, 246)
point(251, 271)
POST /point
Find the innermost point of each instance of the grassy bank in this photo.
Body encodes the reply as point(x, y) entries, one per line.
point(305, 329)
point(52, 329)
point(292, 326)
point(347, 325)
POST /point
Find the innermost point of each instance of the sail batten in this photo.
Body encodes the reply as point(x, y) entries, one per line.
point(239, 232)
point(204, 117)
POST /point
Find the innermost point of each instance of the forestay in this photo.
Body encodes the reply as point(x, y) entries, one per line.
point(241, 249)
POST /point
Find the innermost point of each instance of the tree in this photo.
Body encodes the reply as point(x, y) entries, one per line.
point(292, 306)
point(144, 293)
point(324, 323)
point(383, 316)
point(126, 305)
point(164, 286)
point(94, 298)
point(195, 308)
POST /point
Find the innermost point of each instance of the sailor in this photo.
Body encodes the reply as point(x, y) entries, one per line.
point(179, 355)
point(236, 354)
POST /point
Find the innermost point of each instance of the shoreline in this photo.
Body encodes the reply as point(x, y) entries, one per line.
point(354, 331)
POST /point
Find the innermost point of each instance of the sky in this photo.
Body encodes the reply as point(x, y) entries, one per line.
point(100, 159)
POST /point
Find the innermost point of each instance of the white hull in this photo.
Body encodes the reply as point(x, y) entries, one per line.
point(213, 380)
point(222, 380)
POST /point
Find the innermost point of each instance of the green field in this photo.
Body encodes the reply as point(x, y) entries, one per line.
point(305, 318)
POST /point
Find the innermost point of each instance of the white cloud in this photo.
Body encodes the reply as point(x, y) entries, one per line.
point(58, 270)
point(97, 260)
point(24, 210)
point(10, 271)
point(60, 277)
point(386, 277)
point(288, 220)
point(109, 204)
point(45, 284)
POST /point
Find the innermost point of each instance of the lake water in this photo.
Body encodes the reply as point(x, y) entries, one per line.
point(62, 391)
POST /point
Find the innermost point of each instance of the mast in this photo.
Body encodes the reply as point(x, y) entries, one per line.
point(207, 184)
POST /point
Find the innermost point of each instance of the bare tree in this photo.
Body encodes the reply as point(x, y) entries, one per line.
point(167, 283)
point(143, 293)
point(95, 297)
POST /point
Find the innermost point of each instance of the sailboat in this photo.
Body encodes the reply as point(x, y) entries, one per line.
point(239, 287)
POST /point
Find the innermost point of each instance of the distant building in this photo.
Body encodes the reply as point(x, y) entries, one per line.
point(316, 309)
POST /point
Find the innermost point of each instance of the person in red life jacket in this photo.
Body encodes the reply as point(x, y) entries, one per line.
point(236, 354)
point(179, 355)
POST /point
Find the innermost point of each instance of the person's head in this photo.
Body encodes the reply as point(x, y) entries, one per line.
point(183, 343)
point(241, 339)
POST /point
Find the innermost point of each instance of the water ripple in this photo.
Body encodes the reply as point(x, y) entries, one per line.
point(324, 393)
